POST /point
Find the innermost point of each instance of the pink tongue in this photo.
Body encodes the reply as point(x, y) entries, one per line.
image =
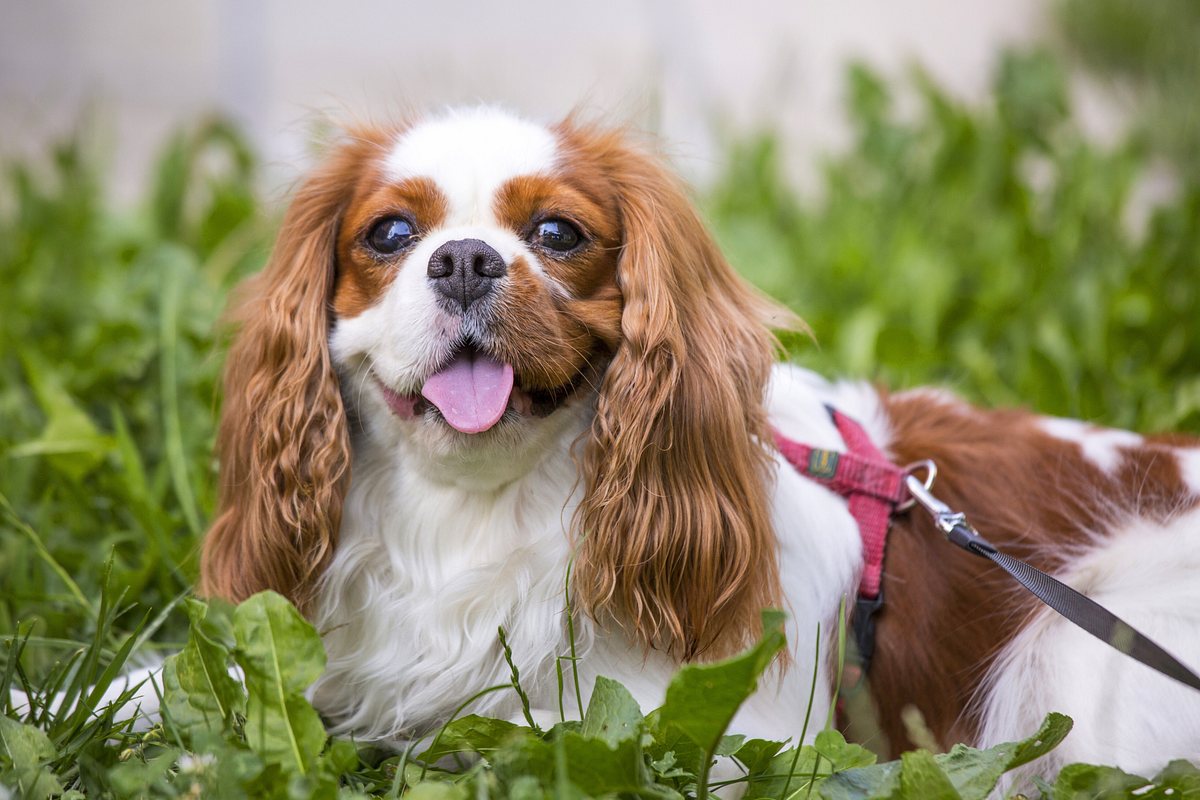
point(472, 392)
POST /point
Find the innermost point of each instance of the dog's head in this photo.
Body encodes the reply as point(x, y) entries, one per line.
point(461, 286)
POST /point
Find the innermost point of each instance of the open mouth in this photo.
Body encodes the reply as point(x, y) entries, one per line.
point(473, 392)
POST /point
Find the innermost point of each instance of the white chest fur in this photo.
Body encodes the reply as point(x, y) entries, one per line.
point(427, 569)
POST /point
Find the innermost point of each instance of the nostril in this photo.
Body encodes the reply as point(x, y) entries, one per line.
point(489, 264)
point(441, 265)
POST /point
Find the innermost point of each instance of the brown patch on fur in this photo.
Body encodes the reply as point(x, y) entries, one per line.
point(283, 444)
point(364, 275)
point(548, 339)
point(947, 613)
point(674, 532)
point(552, 337)
point(580, 198)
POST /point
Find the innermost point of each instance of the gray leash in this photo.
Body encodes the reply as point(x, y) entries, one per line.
point(1082, 611)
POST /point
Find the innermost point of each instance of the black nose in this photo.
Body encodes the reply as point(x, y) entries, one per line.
point(465, 270)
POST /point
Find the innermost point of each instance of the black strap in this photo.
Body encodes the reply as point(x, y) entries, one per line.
point(863, 624)
point(1077, 608)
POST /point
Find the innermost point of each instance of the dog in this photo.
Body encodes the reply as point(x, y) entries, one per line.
point(498, 374)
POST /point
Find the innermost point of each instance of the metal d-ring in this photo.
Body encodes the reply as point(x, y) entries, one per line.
point(930, 469)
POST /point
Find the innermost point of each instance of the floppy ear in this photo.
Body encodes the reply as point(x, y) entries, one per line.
point(675, 526)
point(283, 442)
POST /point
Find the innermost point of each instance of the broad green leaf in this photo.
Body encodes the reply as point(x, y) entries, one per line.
point(526, 788)
point(612, 713)
point(591, 764)
point(28, 749)
point(840, 754)
point(415, 773)
point(975, 772)
point(315, 785)
point(281, 656)
point(667, 767)
point(921, 778)
point(437, 790)
point(1177, 781)
point(972, 773)
point(785, 774)
point(670, 745)
point(728, 745)
point(1053, 730)
point(1088, 782)
point(772, 773)
point(756, 754)
point(876, 781)
point(342, 756)
point(597, 768)
point(702, 699)
point(564, 727)
point(70, 440)
point(472, 734)
point(1180, 775)
point(201, 696)
point(136, 777)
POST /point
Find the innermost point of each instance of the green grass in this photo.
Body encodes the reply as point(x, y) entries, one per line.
point(1146, 54)
point(992, 248)
point(108, 375)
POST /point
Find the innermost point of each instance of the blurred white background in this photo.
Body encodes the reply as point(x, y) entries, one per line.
point(693, 70)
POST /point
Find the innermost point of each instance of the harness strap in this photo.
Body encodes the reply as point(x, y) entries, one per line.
point(872, 485)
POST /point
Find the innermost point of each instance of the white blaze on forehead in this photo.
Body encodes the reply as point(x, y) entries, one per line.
point(1104, 447)
point(470, 154)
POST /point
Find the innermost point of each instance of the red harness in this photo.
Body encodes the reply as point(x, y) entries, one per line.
point(872, 485)
point(874, 488)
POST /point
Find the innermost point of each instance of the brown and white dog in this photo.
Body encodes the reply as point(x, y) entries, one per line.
point(485, 351)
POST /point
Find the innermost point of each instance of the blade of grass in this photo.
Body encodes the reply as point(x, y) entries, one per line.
point(516, 681)
point(481, 693)
point(52, 696)
point(169, 380)
point(571, 636)
point(160, 619)
point(15, 645)
point(46, 556)
point(812, 692)
point(85, 675)
point(837, 687)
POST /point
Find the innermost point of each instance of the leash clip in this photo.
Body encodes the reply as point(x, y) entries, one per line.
point(910, 472)
point(953, 524)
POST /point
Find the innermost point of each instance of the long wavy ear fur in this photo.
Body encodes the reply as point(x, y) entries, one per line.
point(283, 442)
point(675, 529)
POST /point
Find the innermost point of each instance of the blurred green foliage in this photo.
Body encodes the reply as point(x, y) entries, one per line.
point(994, 250)
point(108, 367)
point(1150, 53)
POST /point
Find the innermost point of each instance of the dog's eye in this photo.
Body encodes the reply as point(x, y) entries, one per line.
point(557, 235)
point(391, 235)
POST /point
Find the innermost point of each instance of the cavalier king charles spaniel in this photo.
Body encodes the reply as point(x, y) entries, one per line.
point(496, 373)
